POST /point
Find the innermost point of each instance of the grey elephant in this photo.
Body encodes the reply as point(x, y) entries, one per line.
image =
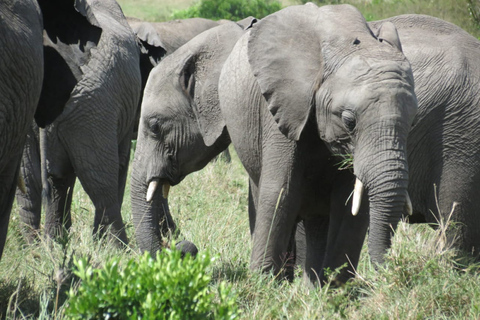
point(444, 142)
point(319, 87)
point(178, 120)
point(21, 72)
point(157, 39)
point(87, 108)
point(292, 179)
point(173, 34)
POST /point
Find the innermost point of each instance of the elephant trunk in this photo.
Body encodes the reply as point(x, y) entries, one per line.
point(151, 219)
point(382, 167)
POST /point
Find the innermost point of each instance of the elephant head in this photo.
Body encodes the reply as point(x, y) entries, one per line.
point(326, 64)
point(180, 117)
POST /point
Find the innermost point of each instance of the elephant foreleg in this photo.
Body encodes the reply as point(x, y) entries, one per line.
point(58, 216)
point(29, 200)
point(8, 184)
point(252, 204)
point(278, 205)
point(316, 231)
point(98, 169)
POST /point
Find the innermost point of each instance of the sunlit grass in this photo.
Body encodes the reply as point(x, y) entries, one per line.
point(423, 276)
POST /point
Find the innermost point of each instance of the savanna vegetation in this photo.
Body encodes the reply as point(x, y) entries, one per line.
point(423, 277)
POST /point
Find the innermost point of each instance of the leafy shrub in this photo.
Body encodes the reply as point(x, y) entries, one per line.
point(168, 287)
point(229, 9)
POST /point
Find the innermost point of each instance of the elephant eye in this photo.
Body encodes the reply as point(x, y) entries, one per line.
point(349, 121)
point(154, 126)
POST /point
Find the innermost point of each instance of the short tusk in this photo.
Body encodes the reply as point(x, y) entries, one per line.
point(165, 190)
point(152, 187)
point(357, 197)
point(408, 205)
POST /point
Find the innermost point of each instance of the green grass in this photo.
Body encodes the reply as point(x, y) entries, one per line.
point(455, 11)
point(422, 278)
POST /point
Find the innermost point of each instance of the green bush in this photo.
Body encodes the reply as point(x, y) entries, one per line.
point(229, 9)
point(168, 287)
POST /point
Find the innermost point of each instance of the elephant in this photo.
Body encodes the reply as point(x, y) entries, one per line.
point(444, 142)
point(86, 112)
point(158, 39)
point(173, 34)
point(177, 122)
point(293, 176)
point(319, 89)
point(21, 72)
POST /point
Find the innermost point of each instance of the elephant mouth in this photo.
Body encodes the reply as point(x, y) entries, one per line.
point(155, 183)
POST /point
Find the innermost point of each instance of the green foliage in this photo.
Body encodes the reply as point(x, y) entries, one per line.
point(168, 287)
point(229, 9)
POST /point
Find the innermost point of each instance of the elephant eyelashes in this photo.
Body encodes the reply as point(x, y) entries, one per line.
point(349, 120)
point(154, 126)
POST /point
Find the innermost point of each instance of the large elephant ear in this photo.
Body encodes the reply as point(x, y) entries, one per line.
point(285, 56)
point(149, 41)
point(85, 10)
point(201, 73)
point(68, 23)
point(388, 33)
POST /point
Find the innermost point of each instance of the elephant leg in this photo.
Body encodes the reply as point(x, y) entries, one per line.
point(300, 245)
point(252, 204)
point(458, 201)
point(60, 180)
point(97, 166)
point(29, 198)
point(316, 232)
point(346, 232)
point(8, 185)
point(58, 218)
point(278, 204)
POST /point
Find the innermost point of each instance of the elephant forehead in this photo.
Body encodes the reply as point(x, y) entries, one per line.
point(362, 73)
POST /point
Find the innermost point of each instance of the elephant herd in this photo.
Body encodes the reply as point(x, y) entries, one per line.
point(294, 93)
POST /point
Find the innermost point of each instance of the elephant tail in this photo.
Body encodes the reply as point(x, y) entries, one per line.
point(46, 190)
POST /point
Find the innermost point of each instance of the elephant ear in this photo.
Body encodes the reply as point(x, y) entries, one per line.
point(199, 77)
point(85, 10)
point(388, 33)
point(149, 42)
point(285, 57)
point(67, 23)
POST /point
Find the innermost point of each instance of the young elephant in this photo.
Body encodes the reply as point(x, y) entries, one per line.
point(180, 129)
point(305, 83)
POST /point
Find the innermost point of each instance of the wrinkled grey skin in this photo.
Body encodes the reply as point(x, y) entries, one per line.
point(176, 33)
point(158, 39)
point(444, 143)
point(89, 98)
point(21, 71)
point(303, 85)
point(181, 128)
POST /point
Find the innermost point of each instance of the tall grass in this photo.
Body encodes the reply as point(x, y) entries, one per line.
point(423, 276)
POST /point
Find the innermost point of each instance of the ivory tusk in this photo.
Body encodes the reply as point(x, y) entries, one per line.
point(165, 190)
point(152, 187)
point(408, 205)
point(357, 197)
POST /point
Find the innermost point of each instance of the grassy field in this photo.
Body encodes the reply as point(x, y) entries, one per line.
point(423, 278)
